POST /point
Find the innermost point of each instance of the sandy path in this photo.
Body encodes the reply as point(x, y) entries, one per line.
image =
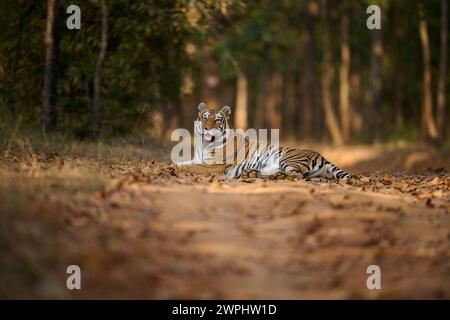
point(153, 232)
point(291, 240)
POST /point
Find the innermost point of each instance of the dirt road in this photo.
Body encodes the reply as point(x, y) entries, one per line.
point(152, 232)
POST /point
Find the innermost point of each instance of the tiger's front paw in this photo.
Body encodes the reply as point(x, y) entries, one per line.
point(249, 173)
point(278, 176)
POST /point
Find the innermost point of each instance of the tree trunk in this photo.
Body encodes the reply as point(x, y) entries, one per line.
point(356, 103)
point(98, 70)
point(330, 116)
point(428, 125)
point(240, 116)
point(442, 84)
point(49, 92)
point(306, 116)
point(344, 74)
point(289, 104)
point(399, 94)
point(260, 116)
point(273, 102)
point(375, 83)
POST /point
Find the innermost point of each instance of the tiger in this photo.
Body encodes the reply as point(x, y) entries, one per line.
point(260, 160)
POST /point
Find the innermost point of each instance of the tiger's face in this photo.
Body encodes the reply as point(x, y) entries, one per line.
point(213, 123)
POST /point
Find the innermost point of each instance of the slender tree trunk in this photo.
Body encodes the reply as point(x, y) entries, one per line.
point(289, 103)
point(98, 70)
point(49, 92)
point(273, 101)
point(344, 75)
point(428, 124)
point(376, 85)
point(240, 117)
point(399, 78)
point(260, 115)
point(305, 116)
point(173, 112)
point(307, 81)
point(399, 94)
point(330, 116)
point(442, 83)
point(356, 103)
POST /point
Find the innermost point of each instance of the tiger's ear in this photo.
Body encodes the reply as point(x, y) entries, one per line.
point(226, 110)
point(201, 106)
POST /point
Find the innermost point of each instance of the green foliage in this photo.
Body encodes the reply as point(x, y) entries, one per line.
point(147, 60)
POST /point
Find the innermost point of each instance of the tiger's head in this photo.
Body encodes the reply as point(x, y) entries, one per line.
point(212, 124)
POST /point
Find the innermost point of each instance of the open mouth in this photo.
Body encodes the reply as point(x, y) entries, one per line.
point(209, 138)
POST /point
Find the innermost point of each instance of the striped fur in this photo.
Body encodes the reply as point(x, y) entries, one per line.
point(279, 162)
point(264, 160)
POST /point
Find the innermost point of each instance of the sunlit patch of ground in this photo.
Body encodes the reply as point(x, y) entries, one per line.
point(142, 229)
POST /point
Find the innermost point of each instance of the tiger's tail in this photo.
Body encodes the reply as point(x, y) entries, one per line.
point(337, 173)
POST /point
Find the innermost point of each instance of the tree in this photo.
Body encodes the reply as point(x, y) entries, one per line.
point(376, 84)
point(315, 75)
point(330, 116)
point(344, 79)
point(98, 69)
point(240, 116)
point(442, 82)
point(49, 94)
point(273, 100)
point(308, 81)
point(428, 124)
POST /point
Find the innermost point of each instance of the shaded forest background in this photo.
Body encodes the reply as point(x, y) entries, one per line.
point(311, 68)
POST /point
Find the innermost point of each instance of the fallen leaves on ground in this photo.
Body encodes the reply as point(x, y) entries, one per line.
point(144, 229)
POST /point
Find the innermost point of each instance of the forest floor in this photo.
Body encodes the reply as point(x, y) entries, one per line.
point(141, 229)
